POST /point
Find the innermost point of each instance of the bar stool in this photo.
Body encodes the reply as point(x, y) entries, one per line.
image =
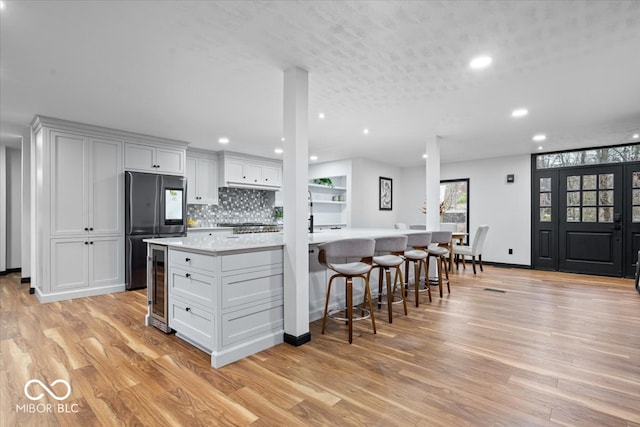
point(341, 249)
point(420, 257)
point(439, 249)
point(394, 246)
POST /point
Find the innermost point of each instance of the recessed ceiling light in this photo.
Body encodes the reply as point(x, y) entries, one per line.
point(540, 147)
point(2, 5)
point(313, 158)
point(480, 62)
point(321, 116)
point(540, 137)
point(282, 139)
point(424, 156)
point(636, 136)
point(365, 131)
point(520, 112)
point(278, 150)
point(223, 140)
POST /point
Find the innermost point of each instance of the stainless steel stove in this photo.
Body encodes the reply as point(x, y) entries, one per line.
point(252, 227)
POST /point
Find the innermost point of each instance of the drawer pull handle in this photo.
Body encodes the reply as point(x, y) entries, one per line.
point(187, 259)
point(187, 275)
point(188, 309)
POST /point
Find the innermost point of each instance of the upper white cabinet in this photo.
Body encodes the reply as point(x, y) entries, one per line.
point(86, 185)
point(154, 159)
point(237, 170)
point(202, 178)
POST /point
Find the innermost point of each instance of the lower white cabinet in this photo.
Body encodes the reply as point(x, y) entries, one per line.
point(230, 306)
point(86, 262)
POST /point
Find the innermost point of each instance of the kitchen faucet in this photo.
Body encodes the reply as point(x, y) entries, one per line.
point(310, 212)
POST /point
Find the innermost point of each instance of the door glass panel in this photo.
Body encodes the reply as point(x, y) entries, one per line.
point(606, 181)
point(605, 214)
point(589, 198)
point(545, 214)
point(545, 184)
point(589, 215)
point(573, 214)
point(635, 213)
point(545, 199)
point(636, 197)
point(573, 198)
point(606, 198)
point(636, 180)
point(589, 182)
point(573, 183)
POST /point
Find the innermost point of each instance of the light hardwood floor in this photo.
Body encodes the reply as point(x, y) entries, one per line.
point(555, 349)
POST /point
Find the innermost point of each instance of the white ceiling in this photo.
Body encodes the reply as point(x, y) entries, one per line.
point(195, 71)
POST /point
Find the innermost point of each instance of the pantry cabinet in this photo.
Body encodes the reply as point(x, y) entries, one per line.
point(79, 204)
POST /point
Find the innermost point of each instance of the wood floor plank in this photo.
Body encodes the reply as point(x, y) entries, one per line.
point(553, 350)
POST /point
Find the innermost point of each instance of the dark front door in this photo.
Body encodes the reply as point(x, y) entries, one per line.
point(590, 220)
point(631, 217)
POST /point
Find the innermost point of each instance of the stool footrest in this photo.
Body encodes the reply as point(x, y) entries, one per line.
point(341, 314)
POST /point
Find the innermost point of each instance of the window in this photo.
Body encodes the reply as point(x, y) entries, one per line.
point(454, 205)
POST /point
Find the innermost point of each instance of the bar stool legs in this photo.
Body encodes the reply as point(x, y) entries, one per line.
point(349, 303)
point(391, 290)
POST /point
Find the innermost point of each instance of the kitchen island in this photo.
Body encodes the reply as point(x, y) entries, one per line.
point(225, 291)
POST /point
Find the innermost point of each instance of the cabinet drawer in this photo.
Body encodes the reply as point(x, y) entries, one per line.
point(193, 286)
point(248, 323)
point(251, 287)
point(178, 258)
point(193, 322)
point(251, 259)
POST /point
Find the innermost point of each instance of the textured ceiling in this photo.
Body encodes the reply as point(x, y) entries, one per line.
point(196, 71)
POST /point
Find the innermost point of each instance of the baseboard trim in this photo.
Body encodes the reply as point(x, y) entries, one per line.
point(25, 280)
point(10, 271)
point(297, 340)
point(504, 265)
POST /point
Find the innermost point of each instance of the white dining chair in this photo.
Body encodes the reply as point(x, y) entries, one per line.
point(475, 250)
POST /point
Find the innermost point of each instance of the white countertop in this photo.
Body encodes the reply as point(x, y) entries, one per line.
point(237, 242)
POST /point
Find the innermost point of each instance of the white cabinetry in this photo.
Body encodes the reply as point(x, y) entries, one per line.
point(331, 204)
point(237, 170)
point(231, 305)
point(86, 185)
point(79, 203)
point(154, 159)
point(202, 178)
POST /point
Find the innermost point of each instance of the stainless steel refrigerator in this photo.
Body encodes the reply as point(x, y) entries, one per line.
point(156, 206)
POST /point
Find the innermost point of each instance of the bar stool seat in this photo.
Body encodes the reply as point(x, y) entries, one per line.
point(395, 246)
point(329, 255)
point(419, 242)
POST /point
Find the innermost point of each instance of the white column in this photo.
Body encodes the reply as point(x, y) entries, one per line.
point(432, 164)
point(3, 208)
point(294, 189)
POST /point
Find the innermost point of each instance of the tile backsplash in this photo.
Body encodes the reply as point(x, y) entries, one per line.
point(235, 205)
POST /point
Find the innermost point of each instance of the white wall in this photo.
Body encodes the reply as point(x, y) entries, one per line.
point(3, 208)
point(506, 208)
point(25, 260)
point(14, 208)
point(365, 194)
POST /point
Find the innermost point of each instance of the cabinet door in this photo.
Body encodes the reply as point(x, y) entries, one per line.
point(192, 180)
point(106, 261)
point(234, 170)
point(69, 264)
point(253, 173)
point(106, 198)
point(207, 179)
point(69, 189)
point(169, 160)
point(139, 157)
point(272, 175)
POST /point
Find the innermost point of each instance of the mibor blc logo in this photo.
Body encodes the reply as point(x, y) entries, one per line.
point(33, 390)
